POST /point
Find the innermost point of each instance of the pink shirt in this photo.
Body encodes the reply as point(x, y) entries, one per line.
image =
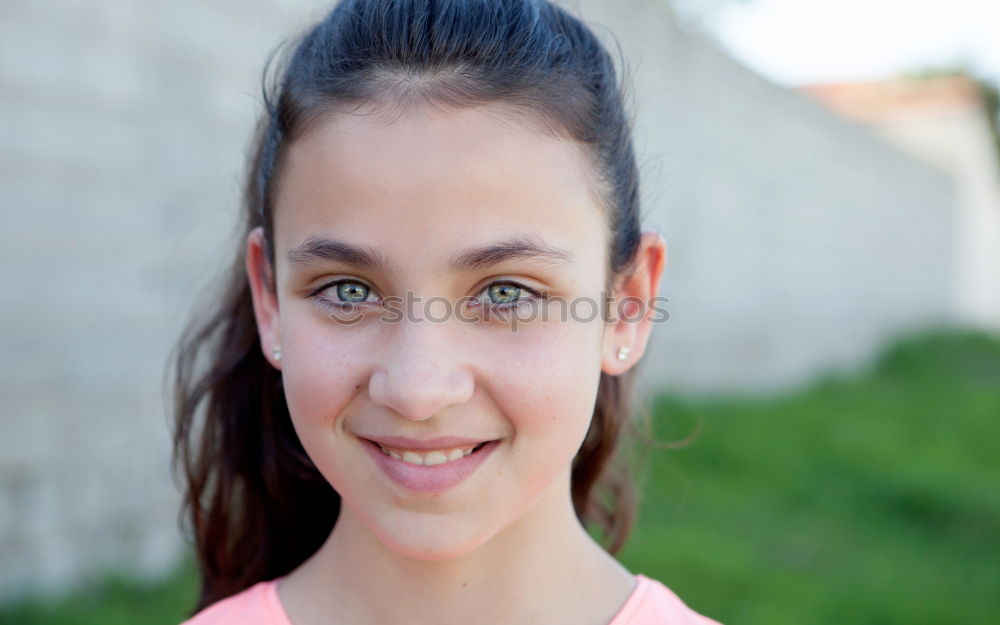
point(651, 603)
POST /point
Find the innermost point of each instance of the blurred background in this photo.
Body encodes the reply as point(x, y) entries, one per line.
point(825, 173)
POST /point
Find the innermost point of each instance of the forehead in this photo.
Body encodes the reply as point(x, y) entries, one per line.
point(449, 178)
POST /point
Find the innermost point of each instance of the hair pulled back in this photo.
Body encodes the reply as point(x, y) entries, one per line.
point(256, 505)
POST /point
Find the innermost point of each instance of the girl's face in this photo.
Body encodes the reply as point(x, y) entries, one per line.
point(458, 214)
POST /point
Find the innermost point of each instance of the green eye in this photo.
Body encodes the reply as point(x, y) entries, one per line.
point(502, 293)
point(353, 292)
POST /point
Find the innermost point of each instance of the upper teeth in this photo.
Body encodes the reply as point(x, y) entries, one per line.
point(428, 458)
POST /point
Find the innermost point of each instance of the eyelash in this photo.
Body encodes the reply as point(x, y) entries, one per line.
point(329, 304)
point(535, 294)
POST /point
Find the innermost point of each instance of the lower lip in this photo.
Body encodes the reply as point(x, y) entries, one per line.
point(429, 479)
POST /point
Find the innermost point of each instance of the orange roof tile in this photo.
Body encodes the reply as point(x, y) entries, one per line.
point(872, 101)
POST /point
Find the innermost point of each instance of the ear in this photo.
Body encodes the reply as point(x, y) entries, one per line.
point(264, 292)
point(635, 306)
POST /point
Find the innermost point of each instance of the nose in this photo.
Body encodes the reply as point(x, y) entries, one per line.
point(422, 372)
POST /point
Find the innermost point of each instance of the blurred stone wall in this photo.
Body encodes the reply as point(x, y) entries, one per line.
point(796, 241)
point(123, 131)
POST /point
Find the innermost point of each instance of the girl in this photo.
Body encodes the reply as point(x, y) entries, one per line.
point(411, 408)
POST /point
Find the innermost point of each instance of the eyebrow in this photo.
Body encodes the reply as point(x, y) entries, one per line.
point(318, 249)
point(517, 248)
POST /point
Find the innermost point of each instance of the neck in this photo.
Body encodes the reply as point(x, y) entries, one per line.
point(544, 567)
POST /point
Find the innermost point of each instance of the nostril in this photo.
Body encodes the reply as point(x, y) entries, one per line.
point(418, 391)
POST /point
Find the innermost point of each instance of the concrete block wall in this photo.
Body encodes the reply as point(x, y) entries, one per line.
point(121, 147)
point(797, 242)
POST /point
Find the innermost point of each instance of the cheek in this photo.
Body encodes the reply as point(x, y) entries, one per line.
point(319, 374)
point(545, 382)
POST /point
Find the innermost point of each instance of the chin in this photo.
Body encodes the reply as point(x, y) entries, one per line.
point(443, 541)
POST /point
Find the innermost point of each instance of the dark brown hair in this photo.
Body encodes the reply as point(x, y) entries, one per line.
point(256, 505)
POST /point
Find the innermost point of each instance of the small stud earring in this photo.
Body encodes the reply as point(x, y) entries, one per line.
point(276, 350)
point(623, 353)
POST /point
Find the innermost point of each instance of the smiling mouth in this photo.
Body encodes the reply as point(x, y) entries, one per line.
point(429, 458)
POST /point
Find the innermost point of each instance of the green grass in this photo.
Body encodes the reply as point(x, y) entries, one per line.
point(865, 499)
point(115, 600)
